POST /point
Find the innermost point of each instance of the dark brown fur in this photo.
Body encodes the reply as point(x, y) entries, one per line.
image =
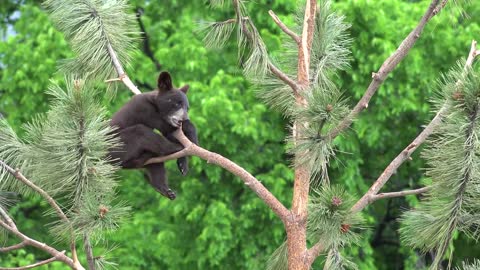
point(164, 110)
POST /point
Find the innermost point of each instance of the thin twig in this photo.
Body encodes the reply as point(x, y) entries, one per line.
point(12, 247)
point(284, 28)
point(31, 265)
point(249, 180)
point(7, 218)
point(387, 66)
point(284, 77)
point(88, 252)
point(275, 70)
point(398, 194)
point(19, 176)
point(59, 255)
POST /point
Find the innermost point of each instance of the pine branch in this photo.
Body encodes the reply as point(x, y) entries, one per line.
point(122, 76)
point(53, 259)
point(393, 166)
point(369, 197)
point(284, 28)
point(249, 180)
point(88, 251)
point(275, 70)
point(13, 247)
point(7, 218)
point(398, 194)
point(18, 175)
point(387, 66)
point(58, 255)
point(100, 33)
point(406, 153)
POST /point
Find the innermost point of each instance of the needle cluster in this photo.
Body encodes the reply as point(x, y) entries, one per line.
point(452, 155)
point(90, 26)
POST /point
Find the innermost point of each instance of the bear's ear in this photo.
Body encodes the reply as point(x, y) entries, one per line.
point(164, 82)
point(184, 88)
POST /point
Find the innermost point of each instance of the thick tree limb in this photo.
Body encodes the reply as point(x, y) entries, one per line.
point(31, 265)
point(388, 66)
point(284, 28)
point(297, 228)
point(249, 180)
point(314, 252)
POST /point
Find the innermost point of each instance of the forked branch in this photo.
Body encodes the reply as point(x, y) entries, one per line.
point(405, 154)
point(57, 255)
point(122, 76)
point(19, 176)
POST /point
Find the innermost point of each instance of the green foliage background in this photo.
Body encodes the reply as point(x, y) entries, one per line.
point(216, 222)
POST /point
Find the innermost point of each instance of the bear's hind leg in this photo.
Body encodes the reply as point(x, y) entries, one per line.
point(157, 177)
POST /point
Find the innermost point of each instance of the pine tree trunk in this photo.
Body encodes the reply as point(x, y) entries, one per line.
point(297, 226)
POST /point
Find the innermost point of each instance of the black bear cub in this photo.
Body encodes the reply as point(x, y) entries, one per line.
point(165, 109)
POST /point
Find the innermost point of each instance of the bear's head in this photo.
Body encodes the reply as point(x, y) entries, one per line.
point(171, 103)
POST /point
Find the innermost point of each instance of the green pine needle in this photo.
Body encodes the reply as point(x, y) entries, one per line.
point(218, 3)
point(10, 150)
point(475, 265)
point(72, 150)
point(314, 149)
point(335, 261)
point(275, 94)
point(330, 220)
point(256, 63)
point(330, 48)
point(217, 33)
point(89, 26)
point(95, 216)
point(453, 157)
point(279, 259)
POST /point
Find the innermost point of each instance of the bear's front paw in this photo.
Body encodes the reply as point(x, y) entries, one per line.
point(170, 194)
